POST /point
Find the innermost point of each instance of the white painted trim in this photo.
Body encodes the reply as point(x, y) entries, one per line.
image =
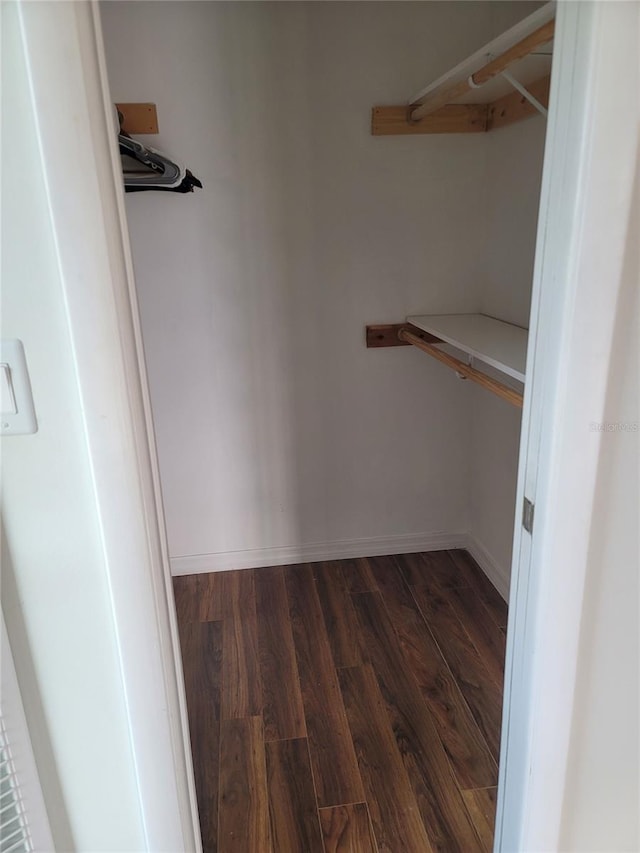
point(497, 574)
point(83, 179)
point(587, 184)
point(150, 476)
point(343, 549)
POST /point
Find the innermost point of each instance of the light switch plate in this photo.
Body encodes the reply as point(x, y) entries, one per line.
point(17, 415)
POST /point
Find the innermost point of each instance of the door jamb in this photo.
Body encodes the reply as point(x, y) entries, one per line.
point(74, 117)
point(582, 232)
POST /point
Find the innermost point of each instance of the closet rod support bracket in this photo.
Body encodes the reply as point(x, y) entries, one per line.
point(525, 93)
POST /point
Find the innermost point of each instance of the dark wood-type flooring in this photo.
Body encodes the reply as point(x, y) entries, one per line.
point(345, 706)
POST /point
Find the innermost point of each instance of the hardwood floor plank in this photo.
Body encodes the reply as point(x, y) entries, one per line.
point(283, 713)
point(244, 809)
point(197, 598)
point(434, 570)
point(339, 616)
point(392, 666)
point(466, 748)
point(357, 575)
point(292, 801)
point(481, 805)
point(183, 596)
point(490, 596)
point(485, 635)
point(201, 646)
point(335, 769)
point(394, 811)
point(434, 784)
point(242, 683)
point(482, 695)
point(347, 829)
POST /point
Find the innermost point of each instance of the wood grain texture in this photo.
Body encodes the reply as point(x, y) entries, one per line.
point(485, 635)
point(283, 712)
point(523, 48)
point(347, 829)
point(481, 804)
point(392, 804)
point(435, 571)
point(339, 616)
point(464, 744)
point(201, 646)
point(425, 760)
point(244, 810)
point(478, 688)
point(357, 575)
point(292, 802)
point(478, 581)
point(451, 118)
point(421, 725)
point(242, 695)
point(198, 598)
point(335, 769)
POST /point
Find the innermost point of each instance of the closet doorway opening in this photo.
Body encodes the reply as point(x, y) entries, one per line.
point(340, 508)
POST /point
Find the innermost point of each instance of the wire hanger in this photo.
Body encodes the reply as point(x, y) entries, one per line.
point(153, 171)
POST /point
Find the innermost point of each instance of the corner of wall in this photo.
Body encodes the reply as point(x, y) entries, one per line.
point(498, 573)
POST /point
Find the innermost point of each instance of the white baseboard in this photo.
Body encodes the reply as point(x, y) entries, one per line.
point(497, 574)
point(341, 550)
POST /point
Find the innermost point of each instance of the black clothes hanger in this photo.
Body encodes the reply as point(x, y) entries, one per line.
point(157, 172)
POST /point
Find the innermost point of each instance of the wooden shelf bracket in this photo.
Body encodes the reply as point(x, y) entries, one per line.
point(441, 106)
point(430, 103)
point(464, 371)
point(405, 334)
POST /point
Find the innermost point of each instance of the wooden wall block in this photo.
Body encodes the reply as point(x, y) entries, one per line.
point(139, 118)
point(454, 118)
point(387, 335)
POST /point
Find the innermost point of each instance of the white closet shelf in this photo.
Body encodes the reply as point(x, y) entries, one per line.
point(494, 342)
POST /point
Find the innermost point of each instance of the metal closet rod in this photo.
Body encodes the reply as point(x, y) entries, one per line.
point(462, 369)
point(431, 103)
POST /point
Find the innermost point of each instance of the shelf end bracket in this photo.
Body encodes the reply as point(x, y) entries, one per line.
point(525, 93)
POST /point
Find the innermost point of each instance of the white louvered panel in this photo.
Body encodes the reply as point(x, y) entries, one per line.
point(24, 826)
point(14, 835)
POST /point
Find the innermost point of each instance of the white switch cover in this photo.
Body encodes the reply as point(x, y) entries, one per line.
point(7, 397)
point(17, 415)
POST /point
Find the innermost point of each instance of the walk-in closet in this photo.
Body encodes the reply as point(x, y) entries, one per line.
point(335, 295)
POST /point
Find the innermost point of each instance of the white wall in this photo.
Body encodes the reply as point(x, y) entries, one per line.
point(55, 591)
point(275, 426)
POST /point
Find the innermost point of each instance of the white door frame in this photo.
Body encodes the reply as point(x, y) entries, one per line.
point(581, 237)
point(590, 161)
point(81, 164)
